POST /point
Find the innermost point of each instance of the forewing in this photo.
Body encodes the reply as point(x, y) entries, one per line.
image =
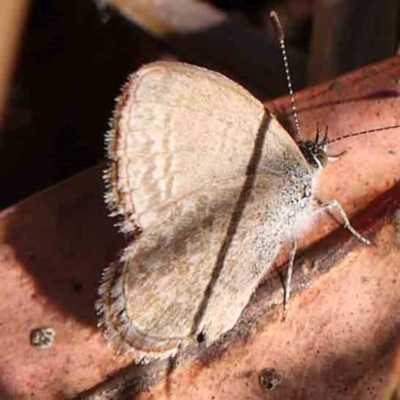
point(178, 129)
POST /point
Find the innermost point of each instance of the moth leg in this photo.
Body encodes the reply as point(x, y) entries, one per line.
point(344, 219)
point(335, 157)
point(288, 281)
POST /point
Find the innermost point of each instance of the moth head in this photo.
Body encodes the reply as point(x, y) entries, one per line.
point(315, 151)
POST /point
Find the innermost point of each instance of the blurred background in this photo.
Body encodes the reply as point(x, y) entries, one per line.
point(62, 64)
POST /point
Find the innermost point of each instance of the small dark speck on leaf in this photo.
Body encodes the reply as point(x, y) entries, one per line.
point(42, 338)
point(201, 337)
point(270, 378)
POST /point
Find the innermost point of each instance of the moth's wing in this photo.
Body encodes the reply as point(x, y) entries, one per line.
point(182, 142)
point(177, 129)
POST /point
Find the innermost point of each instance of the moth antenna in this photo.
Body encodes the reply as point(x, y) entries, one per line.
point(281, 37)
point(317, 134)
point(383, 128)
point(325, 140)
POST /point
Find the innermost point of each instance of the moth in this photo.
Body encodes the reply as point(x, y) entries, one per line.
point(210, 186)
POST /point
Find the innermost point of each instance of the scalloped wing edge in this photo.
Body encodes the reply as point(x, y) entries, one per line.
point(115, 324)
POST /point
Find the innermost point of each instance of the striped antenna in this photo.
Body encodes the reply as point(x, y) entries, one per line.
point(383, 128)
point(281, 37)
